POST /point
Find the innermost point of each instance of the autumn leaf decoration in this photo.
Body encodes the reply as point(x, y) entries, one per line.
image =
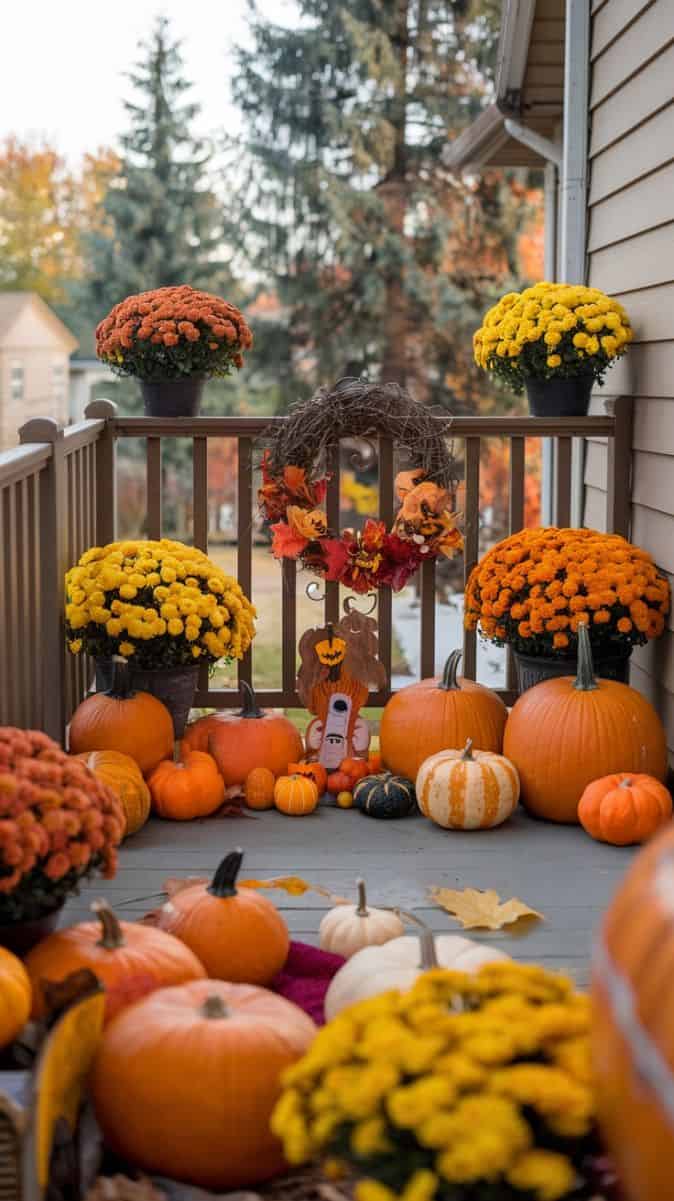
point(476, 909)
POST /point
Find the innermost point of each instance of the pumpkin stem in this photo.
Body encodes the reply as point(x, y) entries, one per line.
point(585, 681)
point(250, 705)
point(223, 883)
point(361, 909)
point(214, 1007)
point(450, 681)
point(626, 783)
point(120, 687)
point(429, 956)
point(111, 931)
point(467, 755)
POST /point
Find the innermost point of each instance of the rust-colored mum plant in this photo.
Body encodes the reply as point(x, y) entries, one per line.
point(58, 823)
point(534, 589)
point(170, 333)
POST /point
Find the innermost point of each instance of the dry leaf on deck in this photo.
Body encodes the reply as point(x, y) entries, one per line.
point(476, 909)
point(295, 886)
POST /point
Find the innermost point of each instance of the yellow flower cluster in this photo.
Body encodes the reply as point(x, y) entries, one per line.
point(432, 1088)
point(551, 329)
point(164, 603)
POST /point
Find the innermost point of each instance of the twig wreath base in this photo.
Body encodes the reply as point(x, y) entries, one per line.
point(294, 487)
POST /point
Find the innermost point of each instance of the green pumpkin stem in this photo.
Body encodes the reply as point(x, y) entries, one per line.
point(429, 955)
point(362, 909)
point(111, 931)
point(585, 680)
point(120, 688)
point(467, 755)
point(215, 1007)
point(450, 680)
point(223, 883)
point(250, 705)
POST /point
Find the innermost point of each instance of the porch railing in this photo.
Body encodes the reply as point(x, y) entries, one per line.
point(58, 496)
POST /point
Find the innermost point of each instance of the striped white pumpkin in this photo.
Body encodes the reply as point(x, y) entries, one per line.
point(467, 790)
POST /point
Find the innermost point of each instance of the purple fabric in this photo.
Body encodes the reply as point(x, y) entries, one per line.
point(305, 978)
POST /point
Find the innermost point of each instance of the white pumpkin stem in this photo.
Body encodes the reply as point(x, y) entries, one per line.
point(361, 908)
point(626, 783)
point(467, 750)
point(215, 1007)
point(429, 955)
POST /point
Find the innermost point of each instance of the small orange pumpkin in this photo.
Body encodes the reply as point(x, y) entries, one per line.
point(315, 772)
point(338, 781)
point(355, 769)
point(15, 991)
point(122, 774)
point(295, 795)
point(259, 788)
point(625, 808)
point(183, 791)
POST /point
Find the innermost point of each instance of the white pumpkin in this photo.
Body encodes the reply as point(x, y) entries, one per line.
point(348, 928)
point(467, 790)
point(397, 964)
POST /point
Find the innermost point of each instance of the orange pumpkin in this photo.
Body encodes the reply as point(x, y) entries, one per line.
point(189, 789)
point(624, 808)
point(128, 958)
point(15, 997)
point(435, 715)
point(632, 1034)
point(123, 720)
point(355, 769)
point(565, 733)
point(338, 781)
point(122, 774)
point(315, 772)
point(295, 795)
point(241, 741)
point(185, 1082)
point(259, 788)
point(238, 936)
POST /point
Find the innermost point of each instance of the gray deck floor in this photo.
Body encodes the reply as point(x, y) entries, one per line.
point(558, 870)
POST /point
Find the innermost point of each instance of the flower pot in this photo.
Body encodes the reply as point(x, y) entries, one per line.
point(560, 397)
point(173, 397)
point(20, 936)
point(533, 669)
point(173, 686)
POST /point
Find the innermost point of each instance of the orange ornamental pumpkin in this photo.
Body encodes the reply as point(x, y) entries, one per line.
point(123, 720)
point(189, 789)
point(315, 772)
point(238, 936)
point(467, 790)
point(435, 715)
point(15, 997)
point(241, 741)
point(123, 776)
point(128, 958)
point(633, 1034)
point(185, 1082)
point(565, 733)
point(624, 808)
point(355, 769)
point(295, 795)
point(259, 788)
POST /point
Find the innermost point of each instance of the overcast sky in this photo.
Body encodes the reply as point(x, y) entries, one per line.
point(62, 63)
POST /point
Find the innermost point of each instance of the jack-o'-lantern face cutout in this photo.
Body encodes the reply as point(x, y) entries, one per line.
point(331, 651)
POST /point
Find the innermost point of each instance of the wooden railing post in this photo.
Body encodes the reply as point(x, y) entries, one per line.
point(619, 468)
point(53, 545)
point(106, 471)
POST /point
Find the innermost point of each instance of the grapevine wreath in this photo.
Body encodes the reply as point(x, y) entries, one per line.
point(294, 486)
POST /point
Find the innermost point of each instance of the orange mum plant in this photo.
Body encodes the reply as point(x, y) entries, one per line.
point(170, 333)
point(535, 588)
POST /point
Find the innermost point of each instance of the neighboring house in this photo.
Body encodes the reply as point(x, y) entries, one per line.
point(585, 90)
point(35, 349)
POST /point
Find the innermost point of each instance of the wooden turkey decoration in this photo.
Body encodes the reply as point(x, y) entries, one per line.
point(339, 666)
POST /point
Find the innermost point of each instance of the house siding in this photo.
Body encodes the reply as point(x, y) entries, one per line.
point(631, 257)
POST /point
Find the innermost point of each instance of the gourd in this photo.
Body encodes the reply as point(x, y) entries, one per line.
point(632, 1031)
point(314, 770)
point(123, 720)
point(185, 1081)
point(295, 795)
point(467, 790)
point(15, 997)
point(565, 733)
point(188, 789)
point(432, 715)
point(237, 935)
point(348, 928)
point(128, 958)
point(624, 808)
point(259, 788)
point(241, 741)
point(385, 796)
point(398, 963)
point(123, 776)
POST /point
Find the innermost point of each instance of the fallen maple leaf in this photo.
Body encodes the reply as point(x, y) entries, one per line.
point(295, 886)
point(477, 909)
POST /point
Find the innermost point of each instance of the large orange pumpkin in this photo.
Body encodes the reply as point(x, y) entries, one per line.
point(185, 1082)
point(238, 936)
point(123, 720)
point(633, 1033)
point(15, 997)
point(565, 733)
point(122, 774)
point(624, 808)
point(129, 959)
point(435, 715)
point(189, 789)
point(242, 741)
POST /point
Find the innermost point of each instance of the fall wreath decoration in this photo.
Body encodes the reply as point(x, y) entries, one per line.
point(295, 482)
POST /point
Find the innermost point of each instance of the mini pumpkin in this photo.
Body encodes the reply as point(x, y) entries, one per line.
point(348, 928)
point(188, 789)
point(15, 997)
point(467, 790)
point(295, 795)
point(315, 771)
point(625, 808)
point(123, 776)
point(239, 742)
point(355, 769)
point(338, 781)
point(385, 796)
point(259, 788)
point(123, 720)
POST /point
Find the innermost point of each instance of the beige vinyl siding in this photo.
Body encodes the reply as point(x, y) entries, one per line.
point(631, 256)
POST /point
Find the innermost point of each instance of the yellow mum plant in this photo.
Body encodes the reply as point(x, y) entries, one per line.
point(163, 603)
point(552, 330)
point(466, 1088)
